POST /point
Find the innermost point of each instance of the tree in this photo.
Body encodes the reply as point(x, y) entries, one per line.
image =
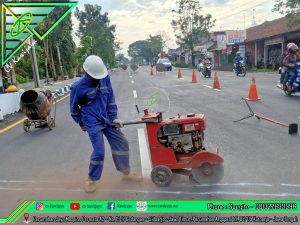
point(121, 58)
point(156, 44)
point(97, 26)
point(140, 49)
point(190, 24)
point(146, 49)
point(290, 8)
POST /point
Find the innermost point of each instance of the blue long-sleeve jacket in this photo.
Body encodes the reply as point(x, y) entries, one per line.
point(237, 59)
point(92, 104)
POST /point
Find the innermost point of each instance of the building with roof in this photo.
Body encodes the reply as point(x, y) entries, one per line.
point(267, 42)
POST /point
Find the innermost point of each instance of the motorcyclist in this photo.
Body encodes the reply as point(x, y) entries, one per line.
point(206, 62)
point(289, 62)
point(237, 59)
point(283, 69)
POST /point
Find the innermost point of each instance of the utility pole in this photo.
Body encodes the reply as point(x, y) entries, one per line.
point(253, 21)
point(35, 69)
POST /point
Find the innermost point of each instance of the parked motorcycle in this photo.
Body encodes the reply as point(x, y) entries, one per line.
point(296, 85)
point(240, 68)
point(206, 71)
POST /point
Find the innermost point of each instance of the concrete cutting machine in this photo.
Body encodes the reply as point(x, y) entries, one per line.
point(177, 146)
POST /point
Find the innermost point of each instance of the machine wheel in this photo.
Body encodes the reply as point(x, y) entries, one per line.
point(51, 123)
point(208, 174)
point(161, 176)
point(26, 125)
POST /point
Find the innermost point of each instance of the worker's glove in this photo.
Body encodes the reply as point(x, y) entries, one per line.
point(291, 65)
point(118, 123)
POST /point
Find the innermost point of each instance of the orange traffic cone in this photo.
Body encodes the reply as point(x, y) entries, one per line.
point(253, 95)
point(216, 82)
point(151, 72)
point(194, 78)
point(179, 74)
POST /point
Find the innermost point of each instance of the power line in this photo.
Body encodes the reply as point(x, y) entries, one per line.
point(236, 13)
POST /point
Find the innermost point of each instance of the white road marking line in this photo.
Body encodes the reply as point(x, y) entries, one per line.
point(290, 185)
point(207, 86)
point(224, 193)
point(41, 189)
point(230, 76)
point(135, 94)
point(237, 184)
point(283, 195)
point(130, 76)
point(144, 154)
point(132, 81)
point(29, 181)
point(299, 117)
point(210, 87)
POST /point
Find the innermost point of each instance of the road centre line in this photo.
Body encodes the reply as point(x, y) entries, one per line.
point(22, 120)
point(144, 154)
point(210, 87)
point(135, 94)
point(207, 86)
point(290, 185)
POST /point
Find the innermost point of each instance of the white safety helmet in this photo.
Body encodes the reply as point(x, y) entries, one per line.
point(95, 67)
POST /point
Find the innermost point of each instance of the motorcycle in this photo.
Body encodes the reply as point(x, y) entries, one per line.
point(200, 67)
point(206, 71)
point(296, 85)
point(240, 68)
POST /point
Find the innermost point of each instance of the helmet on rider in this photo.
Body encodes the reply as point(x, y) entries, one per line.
point(238, 53)
point(292, 48)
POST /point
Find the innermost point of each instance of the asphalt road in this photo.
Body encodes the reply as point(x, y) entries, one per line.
point(261, 159)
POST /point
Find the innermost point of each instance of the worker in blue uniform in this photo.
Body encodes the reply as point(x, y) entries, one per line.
point(93, 107)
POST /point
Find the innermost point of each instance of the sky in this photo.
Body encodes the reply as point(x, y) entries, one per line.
point(137, 19)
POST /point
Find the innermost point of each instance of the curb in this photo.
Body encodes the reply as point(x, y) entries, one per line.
point(61, 91)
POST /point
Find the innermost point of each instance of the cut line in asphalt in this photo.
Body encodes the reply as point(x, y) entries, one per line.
point(22, 120)
point(135, 94)
point(144, 154)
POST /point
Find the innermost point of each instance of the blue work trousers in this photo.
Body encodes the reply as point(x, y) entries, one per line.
point(119, 147)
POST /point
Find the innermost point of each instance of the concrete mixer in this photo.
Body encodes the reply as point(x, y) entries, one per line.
point(37, 107)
